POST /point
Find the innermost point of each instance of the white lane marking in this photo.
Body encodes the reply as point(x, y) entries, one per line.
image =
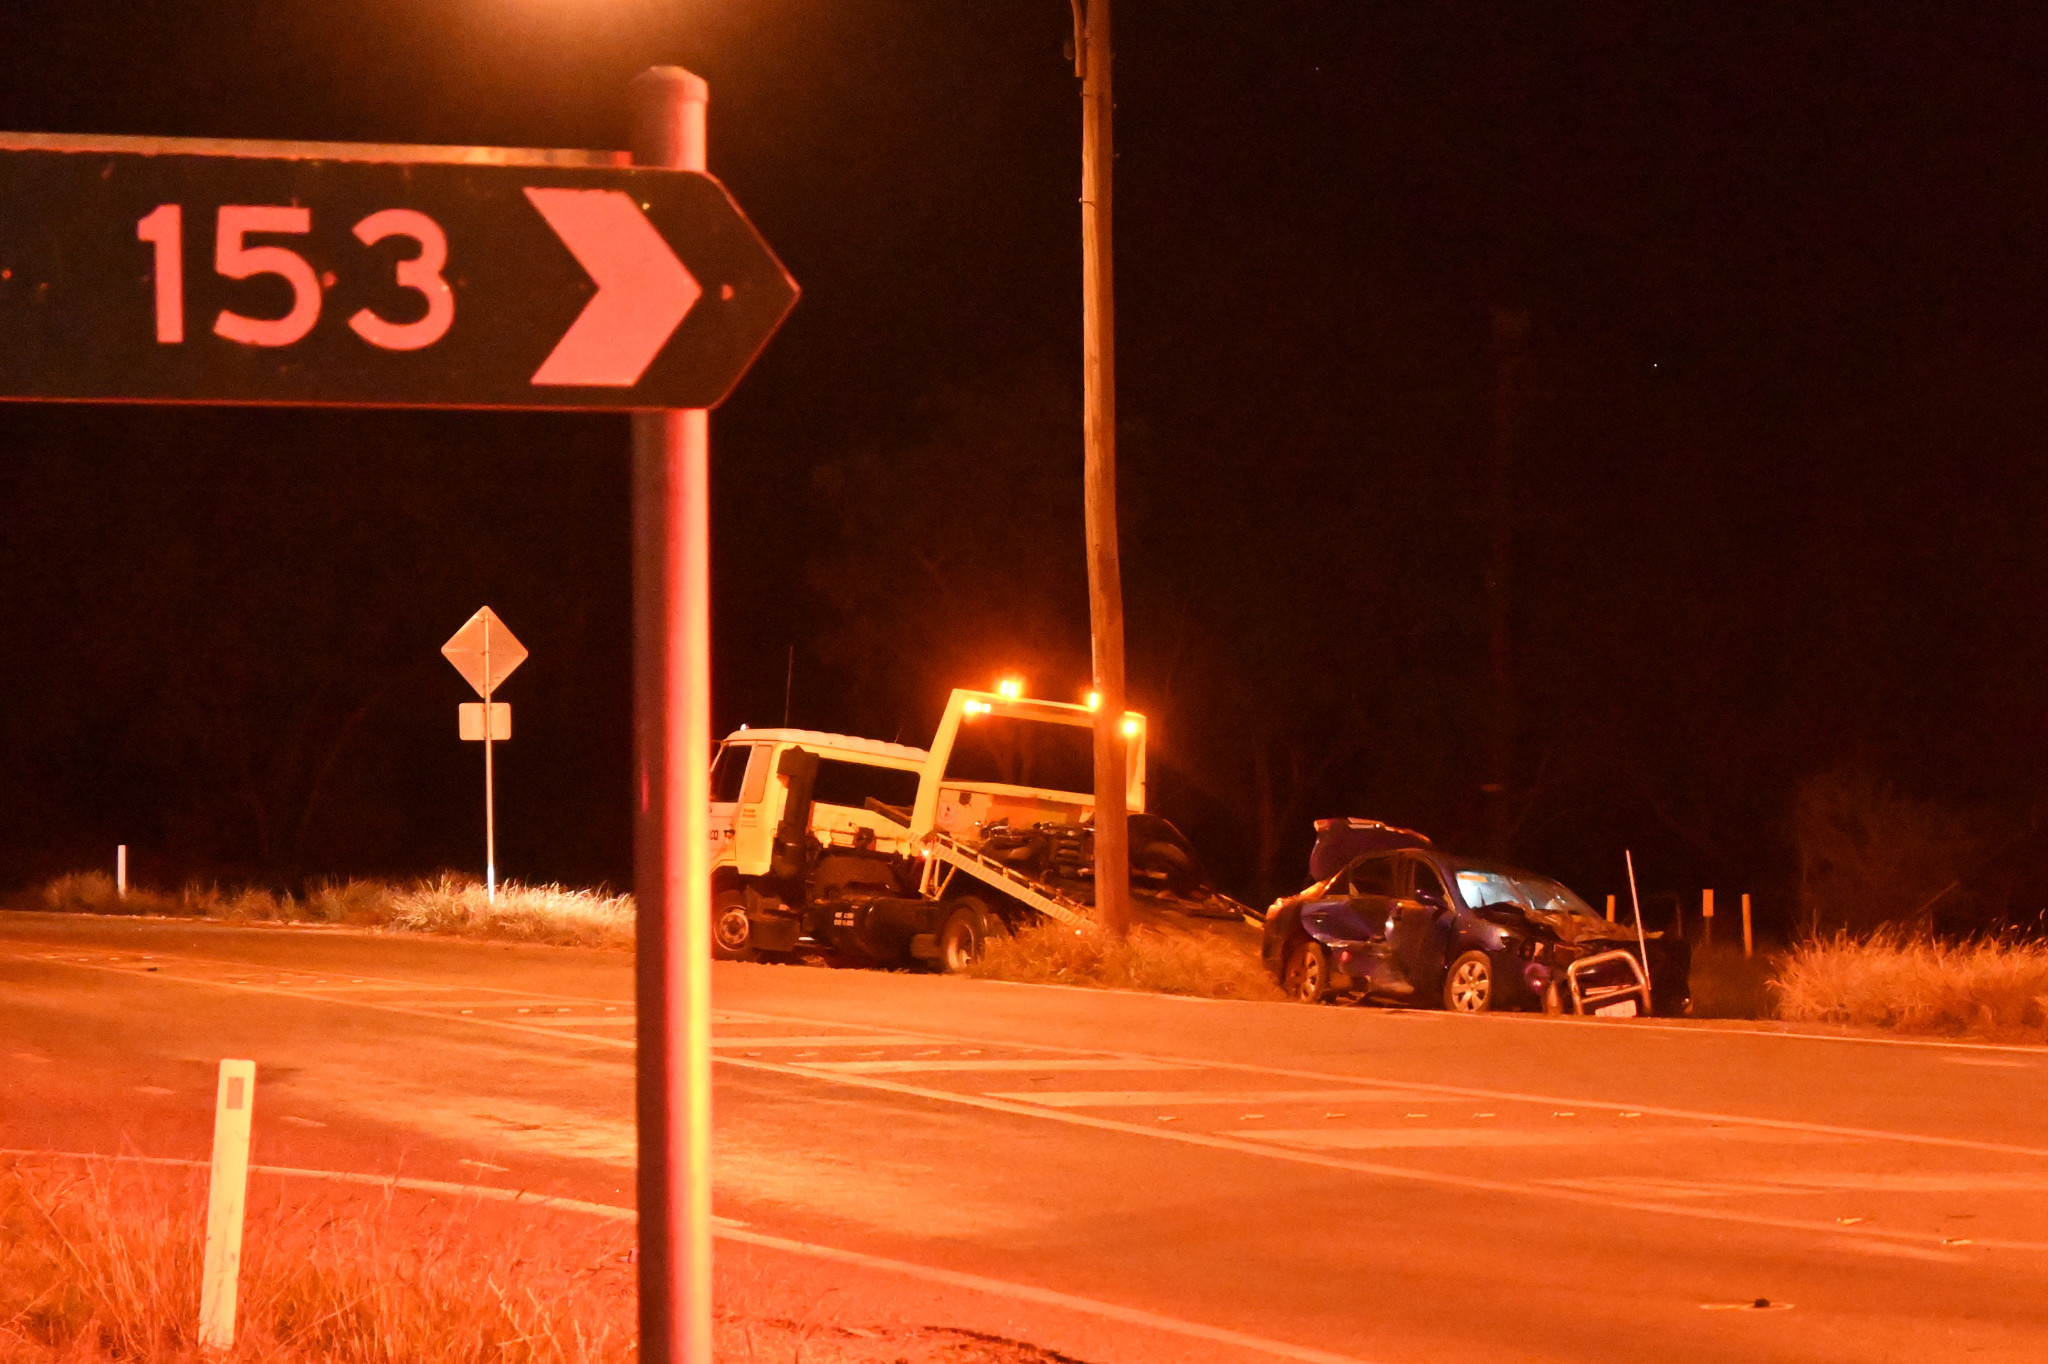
point(1427, 1138)
point(1176, 1098)
point(1681, 1188)
point(1987, 1061)
point(437, 1186)
point(1697, 1028)
point(1046, 1297)
point(1901, 1242)
point(248, 971)
point(1714, 1028)
point(833, 1040)
point(1460, 1091)
point(1046, 1064)
point(615, 1021)
point(730, 1229)
point(1870, 1134)
point(440, 1015)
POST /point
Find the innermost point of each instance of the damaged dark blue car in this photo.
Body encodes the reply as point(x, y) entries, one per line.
point(1392, 919)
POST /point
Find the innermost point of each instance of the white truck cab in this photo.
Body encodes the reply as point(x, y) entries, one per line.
point(748, 794)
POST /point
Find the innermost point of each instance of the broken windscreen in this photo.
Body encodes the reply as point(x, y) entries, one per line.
point(1479, 886)
point(1012, 751)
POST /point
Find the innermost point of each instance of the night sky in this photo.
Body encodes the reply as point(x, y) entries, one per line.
point(1771, 483)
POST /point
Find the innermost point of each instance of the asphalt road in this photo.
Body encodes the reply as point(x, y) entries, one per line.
point(1237, 1180)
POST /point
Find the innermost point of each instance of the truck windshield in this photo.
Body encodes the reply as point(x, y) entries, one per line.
point(1020, 752)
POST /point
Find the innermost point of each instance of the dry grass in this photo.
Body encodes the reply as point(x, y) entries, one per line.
point(99, 1264)
point(445, 904)
point(1181, 962)
point(102, 1264)
point(549, 914)
point(1989, 989)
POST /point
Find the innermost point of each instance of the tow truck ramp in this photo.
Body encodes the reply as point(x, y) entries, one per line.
point(1064, 909)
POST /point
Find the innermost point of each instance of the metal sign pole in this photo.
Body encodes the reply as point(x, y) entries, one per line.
point(490, 786)
point(672, 876)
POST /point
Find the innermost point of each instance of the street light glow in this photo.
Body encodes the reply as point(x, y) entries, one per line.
point(1010, 688)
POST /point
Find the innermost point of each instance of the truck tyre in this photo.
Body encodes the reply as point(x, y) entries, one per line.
point(964, 933)
point(1307, 974)
point(732, 933)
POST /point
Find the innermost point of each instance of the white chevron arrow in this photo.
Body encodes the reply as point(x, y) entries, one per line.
point(643, 290)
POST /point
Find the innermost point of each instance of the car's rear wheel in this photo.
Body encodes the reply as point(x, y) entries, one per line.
point(1468, 985)
point(1307, 974)
point(964, 934)
point(732, 933)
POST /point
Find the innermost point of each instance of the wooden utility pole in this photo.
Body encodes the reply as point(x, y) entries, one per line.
point(1105, 574)
point(1510, 332)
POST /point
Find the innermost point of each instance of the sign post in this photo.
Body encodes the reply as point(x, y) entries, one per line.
point(672, 736)
point(202, 271)
point(486, 662)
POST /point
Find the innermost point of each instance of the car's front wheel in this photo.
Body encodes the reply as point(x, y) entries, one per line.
point(1468, 985)
point(1307, 974)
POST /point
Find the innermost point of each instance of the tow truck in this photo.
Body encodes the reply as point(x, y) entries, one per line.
point(883, 853)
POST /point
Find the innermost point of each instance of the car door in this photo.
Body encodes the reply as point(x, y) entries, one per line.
point(1357, 908)
point(1415, 923)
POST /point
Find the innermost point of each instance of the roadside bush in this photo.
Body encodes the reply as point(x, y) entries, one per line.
point(93, 892)
point(1989, 988)
point(1172, 962)
point(545, 914)
point(445, 904)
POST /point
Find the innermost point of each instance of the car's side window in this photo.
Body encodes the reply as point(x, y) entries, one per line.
point(1427, 884)
point(1374, 876)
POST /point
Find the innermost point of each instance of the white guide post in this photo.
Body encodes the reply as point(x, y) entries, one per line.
point(1748, 943)
point(1707, 917)
point(227, 1194)
point(121, 870)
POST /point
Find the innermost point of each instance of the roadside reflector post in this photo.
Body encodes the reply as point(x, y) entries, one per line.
point(1610, 909)
point(1706, 918)
point(121, 870)
point(1748, 943)
point(227, 1194)
point(672, 810)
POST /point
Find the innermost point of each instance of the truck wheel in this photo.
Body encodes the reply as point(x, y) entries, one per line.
point(1468, 985)
point(732, 934)
point(964, 933)
point(1307, 975)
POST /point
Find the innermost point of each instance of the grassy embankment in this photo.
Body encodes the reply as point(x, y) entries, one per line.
point(444, 904)
point(1991, 989)
point(99, 1264)
point(1194, 962)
